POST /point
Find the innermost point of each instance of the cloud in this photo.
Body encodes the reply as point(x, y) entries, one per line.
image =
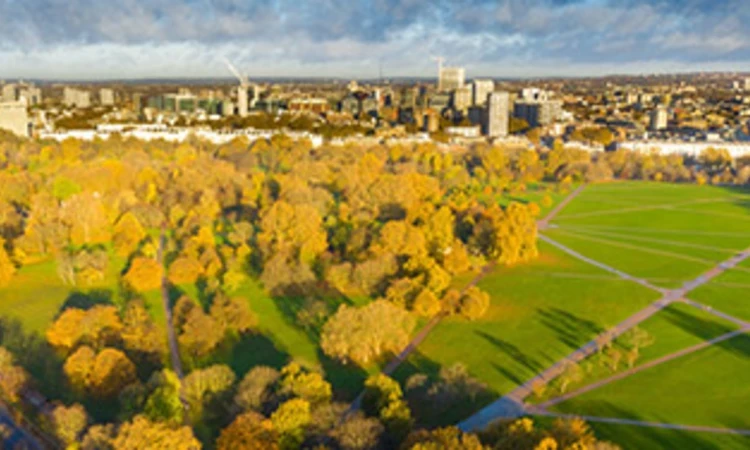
point(130, 38)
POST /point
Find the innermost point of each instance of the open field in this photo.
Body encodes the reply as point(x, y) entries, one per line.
point(668, 235)
point(707, 388)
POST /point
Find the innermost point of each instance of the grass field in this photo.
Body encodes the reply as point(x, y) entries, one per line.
point(709, 388)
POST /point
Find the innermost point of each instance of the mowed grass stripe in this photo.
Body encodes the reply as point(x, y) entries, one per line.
point(634, 260)
point(710, 387)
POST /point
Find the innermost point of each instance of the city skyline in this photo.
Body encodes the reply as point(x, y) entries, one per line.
point(86, 40)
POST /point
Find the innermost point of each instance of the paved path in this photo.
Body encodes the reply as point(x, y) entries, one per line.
point(18, 437)
point(500, 408)
point(535, 409)
point(717, 313)
point(600, 265)
point(174, 351)
point(642, 423)
point(542, 224)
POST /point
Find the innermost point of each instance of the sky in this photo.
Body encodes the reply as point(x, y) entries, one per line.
point(103, 39)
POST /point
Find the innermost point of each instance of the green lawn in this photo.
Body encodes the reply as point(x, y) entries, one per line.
point(677, 327)
point(710, 387)
point(540, 312)
point(36, 294)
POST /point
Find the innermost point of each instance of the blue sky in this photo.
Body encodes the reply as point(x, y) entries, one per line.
point(89, 39)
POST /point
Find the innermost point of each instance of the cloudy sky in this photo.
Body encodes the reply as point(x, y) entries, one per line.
point(90, 39)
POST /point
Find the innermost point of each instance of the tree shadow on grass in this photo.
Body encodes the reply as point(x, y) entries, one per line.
point(34, 354)
point(513, 352)
point(699, 327)
point(251, 350)
point(571, 330)
point(87, 299)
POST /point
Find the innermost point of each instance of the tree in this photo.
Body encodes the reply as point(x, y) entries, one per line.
point(140, 335)
point(474, 303)
point(572, 373)
point(207, 387)
point(128, 233)
point(7, 268)
point(13, 378)
point(427, 304)
point(357, 432)
point(98, 326)
point(144, 274)
point(111, 372)
point(68, 423)
point(383, 398)
point(256, 390)
point(199, 333)
point(311, 386)
point(291, 421)
point(185, 270)
point(448, 438)
point(164, 404)
point(249, 431)
point(233, 314)
point(143, 434)
point(363, 334)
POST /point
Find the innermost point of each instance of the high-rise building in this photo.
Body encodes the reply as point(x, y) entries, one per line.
point(747, 84)
point(15, 118)
point(462, 98)
point(451, 78)
point(106, 96)
point(10, 93)
point(242, 100)
point(495, 123)
point(480, 90)
point(76, 97)
point(537, 113)
point(659, 118)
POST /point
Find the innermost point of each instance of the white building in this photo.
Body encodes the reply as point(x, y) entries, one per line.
point(659, 118)
point(451, 78)
point(495, 123)
point(107, 97)
point(15, 118)
point(76, 97)
point(480, 90)
point(692, 149)
point(462, 98)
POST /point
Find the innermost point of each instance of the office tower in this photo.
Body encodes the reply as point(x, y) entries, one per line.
point(480, 90)
point(659, 118)
point(14, 118)
point(107, 97)
point(451, 78)
point(462, 98)
point(495, 123)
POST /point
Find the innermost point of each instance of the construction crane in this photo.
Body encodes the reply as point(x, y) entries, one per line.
point(241, 89)
point(440, 61)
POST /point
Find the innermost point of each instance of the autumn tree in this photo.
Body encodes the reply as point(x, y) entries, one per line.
point(185, 270)
point(69, 423)
point(473, 303)
point(207, 388)
point(98, 326)
point(363, 334)
point(291, 420)
point(249, 431)
point(7, 268)
point(127, 234)
point(13, 378)
point(256, 391)
point(141, 433)
point(144, 274)
point(448, 438)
